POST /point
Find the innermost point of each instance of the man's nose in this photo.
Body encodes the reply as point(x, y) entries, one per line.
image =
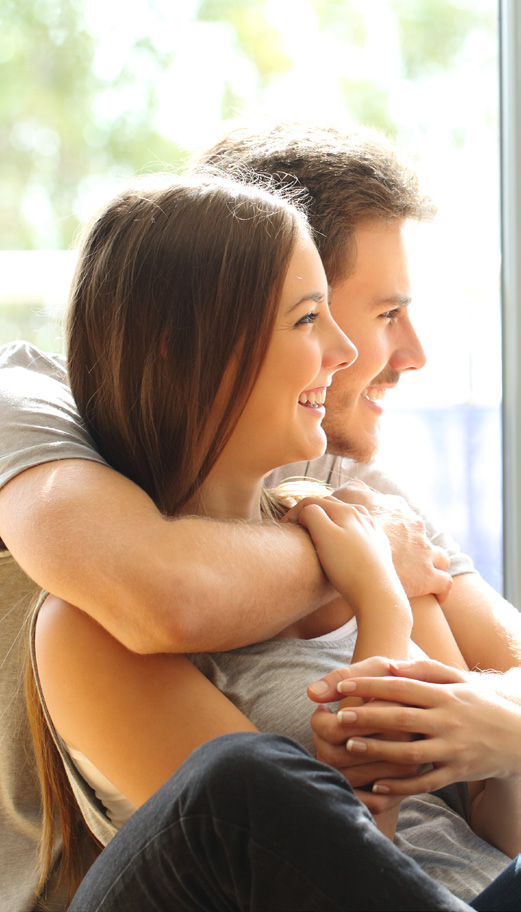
point(409, 353)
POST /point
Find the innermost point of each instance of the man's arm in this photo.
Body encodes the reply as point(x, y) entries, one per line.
point(95, 539)
point(485, 626)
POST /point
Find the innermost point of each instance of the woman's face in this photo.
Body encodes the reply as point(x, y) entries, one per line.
point(282, 420)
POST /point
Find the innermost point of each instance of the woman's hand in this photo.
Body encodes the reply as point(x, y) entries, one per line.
point(469, 732)
point(330, 736)
point(360, 774)
point(421, 566)
point(353, 550)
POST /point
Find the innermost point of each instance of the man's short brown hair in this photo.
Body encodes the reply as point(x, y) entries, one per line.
point(346, 178)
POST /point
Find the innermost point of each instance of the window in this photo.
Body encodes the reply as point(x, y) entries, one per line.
point(94, 92)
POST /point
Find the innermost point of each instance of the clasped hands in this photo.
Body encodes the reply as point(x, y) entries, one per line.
point(420, 726)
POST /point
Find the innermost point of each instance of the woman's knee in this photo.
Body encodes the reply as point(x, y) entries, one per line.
point(235, 769)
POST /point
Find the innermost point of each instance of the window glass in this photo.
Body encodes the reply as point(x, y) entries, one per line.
point(93, 92)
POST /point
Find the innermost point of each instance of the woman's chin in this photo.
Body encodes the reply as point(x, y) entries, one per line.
point(311, 450)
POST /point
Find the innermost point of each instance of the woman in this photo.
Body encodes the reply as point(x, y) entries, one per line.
point(200, 351)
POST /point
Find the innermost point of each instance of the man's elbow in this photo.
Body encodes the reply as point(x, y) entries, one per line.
point(164, 618)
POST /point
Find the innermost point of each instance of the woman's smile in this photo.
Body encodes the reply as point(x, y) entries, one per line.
point(314, 399)
point(306, 349)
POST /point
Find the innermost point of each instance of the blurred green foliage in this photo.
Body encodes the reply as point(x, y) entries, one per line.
point(368, 104)
point(67, 125)
point(433, 32)
point(258, 40)
point(31, 322)
point(52, 133)
point(344, 19)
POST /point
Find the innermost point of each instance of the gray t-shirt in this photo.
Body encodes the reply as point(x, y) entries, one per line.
point(39, 423)
point(268, 680)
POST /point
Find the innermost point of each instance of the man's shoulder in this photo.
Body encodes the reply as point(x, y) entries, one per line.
point(24, 355)
point(336, 471)
point(39, 421)
point(333, 470)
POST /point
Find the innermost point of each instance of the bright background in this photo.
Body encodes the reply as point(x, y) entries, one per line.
point(95, 90)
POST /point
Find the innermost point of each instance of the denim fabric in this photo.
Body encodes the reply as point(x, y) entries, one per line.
point(504, 893)
point(253, 822)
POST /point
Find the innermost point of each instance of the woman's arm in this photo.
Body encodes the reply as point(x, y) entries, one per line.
point(356, 557)
point(137, 718)
point(431, 632)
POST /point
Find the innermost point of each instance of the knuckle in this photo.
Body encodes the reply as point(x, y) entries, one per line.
point(413, 753)
point(404, 716)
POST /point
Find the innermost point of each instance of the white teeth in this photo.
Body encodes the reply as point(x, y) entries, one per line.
point(374, 394)
point(314, 399)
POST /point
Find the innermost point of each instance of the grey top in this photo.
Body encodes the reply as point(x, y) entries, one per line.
point(39, 423)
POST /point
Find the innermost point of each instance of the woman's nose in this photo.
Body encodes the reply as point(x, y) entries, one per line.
point(341, 352)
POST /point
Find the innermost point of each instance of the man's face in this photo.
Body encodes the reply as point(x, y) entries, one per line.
point(371, 307)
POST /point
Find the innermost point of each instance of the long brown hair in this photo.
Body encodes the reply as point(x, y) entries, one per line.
point(170, 316)
point(60, 811)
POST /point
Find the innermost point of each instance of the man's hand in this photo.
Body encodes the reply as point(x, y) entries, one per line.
point(420, 565)
point(469, 732)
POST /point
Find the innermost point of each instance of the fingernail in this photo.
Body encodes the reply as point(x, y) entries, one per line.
point(381, 789)
point(346, 687)
point(401, 663)
point(318, 688)
point(356, 746)
point(346, 715)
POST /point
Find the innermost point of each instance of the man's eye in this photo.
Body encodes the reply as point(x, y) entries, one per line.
point(391, 315)
point(308, 318)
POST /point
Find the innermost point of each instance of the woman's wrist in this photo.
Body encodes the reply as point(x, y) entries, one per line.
point(380, 598)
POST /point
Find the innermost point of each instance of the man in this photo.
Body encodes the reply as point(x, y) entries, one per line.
point(91, 537)
point(360, 196)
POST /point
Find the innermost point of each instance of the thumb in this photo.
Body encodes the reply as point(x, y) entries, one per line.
point(325, 690)
point(428, 670)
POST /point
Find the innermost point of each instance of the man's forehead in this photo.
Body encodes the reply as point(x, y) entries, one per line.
point(372, 239)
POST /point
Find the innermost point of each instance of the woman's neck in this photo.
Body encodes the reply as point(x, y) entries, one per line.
point(227, 496)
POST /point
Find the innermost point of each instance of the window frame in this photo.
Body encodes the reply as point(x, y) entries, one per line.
point(510, 140)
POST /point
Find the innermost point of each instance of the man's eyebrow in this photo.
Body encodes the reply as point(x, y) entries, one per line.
point(315, 296)
point(393, 301)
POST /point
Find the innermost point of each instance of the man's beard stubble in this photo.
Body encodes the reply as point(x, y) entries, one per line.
point(336, 427)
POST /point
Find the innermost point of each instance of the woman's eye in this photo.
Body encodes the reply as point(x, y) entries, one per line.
point(307, 318)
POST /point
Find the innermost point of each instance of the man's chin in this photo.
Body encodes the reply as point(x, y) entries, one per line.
point(362, 449)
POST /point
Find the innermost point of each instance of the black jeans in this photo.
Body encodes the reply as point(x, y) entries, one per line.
point(253, 822)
